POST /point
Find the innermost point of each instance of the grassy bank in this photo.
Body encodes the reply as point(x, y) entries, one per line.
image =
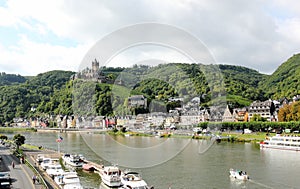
point(249, 137)
point(31, 147)
point(16, 129)
point(238, 137)
point(130, 133)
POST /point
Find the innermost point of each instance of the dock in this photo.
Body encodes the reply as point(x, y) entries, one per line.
point(96, 166)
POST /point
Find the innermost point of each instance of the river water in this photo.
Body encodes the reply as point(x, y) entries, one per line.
point(180, 163)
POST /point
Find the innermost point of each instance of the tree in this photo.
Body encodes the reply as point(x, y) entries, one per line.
point(257, 117)
point(289, 112)
point(19, 140)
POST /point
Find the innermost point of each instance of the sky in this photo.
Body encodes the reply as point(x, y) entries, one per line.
point(43, 35)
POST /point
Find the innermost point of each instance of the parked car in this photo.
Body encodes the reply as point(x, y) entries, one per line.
point(5, 180)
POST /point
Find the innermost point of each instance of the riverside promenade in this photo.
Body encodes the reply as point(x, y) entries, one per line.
point(21, 175)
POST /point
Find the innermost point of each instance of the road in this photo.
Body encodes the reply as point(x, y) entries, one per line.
point(21, 175)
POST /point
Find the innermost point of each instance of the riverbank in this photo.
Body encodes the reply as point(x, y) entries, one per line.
point(237, 137)
point(17, 129)
point(248, 137)
point(224, 136)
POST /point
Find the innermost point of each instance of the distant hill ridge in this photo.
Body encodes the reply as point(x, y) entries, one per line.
point(10, 79)
point(52, 92)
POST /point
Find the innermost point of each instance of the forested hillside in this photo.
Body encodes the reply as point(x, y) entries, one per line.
point(242, 85)
point(285, 81)
point(55, 93)
point(18, 99)
point(11, 79)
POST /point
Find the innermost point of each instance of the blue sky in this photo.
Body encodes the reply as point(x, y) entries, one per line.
point(38, 36)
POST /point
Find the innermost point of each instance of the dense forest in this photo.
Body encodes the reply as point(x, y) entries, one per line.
point(57, 92)
point(17, 100)
point(11, 79)
point(284, 82)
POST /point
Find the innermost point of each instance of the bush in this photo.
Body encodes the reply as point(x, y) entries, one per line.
point(3, 137)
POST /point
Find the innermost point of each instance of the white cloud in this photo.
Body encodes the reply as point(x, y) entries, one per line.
point(256, 34)
point(6, 18)
point(147, 55)
point(31, 58)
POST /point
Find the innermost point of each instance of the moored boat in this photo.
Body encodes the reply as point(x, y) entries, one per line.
point(48, 161)
point(285, 142)
point(237, 174)
point(54, 170)
point(73, 160)
point(132, 180)
point(68, 180)
point(110, 176)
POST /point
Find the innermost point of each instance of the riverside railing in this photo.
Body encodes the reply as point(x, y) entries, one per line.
point(41, 179)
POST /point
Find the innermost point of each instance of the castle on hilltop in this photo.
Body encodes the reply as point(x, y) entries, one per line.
point(93, 74)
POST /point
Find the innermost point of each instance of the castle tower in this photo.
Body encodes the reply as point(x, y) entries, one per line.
point(95, 66)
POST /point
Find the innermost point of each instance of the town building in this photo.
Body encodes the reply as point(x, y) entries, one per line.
point(137, 101)
point(240, 115)
point(235, 115)
point(227, 116)
point(193, 117)
point(265, 109)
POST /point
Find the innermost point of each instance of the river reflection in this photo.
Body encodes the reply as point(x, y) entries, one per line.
point(190, 167)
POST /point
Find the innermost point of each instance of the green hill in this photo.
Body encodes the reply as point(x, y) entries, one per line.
point(11, 79)
point(18, 99)
point(54, 93)
point(285, 81)
point(243, 82)
point(190, 80)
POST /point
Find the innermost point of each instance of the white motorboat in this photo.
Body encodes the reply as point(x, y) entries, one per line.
point(48, 161)
point(110, 176)
point(282, 143)
point(132, 180)
point(73, 160)
point(54, 170)
point(68, 180)
point(240, 175)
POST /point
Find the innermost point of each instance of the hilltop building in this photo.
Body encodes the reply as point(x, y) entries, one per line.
point(93, 74)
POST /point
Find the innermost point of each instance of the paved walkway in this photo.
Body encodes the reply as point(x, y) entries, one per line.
point(21, 175)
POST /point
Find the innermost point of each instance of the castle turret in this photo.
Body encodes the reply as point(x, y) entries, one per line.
point(95, 66)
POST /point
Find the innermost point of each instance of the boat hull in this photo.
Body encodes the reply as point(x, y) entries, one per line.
point(133, 180)
point(280, 147)
point(112, 182)
point(285, 142)
point(110, 176)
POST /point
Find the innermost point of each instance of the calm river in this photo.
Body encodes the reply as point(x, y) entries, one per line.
point(180, 163)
